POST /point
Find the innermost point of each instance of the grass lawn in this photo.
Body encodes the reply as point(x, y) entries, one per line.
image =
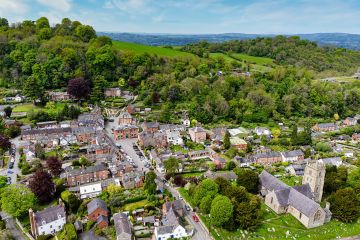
point(291, 180)
point(188, 175)
point(222, 55)
point(185, 195)
point(25, 107)
point(135, 205)
point(160, 51)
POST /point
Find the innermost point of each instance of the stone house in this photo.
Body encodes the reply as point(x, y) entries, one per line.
point(175, 205)
point(197, 134)
point(298, 201)
point(356, 136)
point(174, 138)
point(262, 131)
point(98, 212)
point(59, 96)
point(86, 175)
point(122, 227)
point(47, 221)
point(325, 127)
point(92, 119)
point(198, 154)
point(219, 162)
point(149, 139)
point(126, 131)
point(132, 180)
point(84, 134)
point(112, 92)
point(125, 118)
point(230, 176)
point(33, 134)
point(292, 156)
point(150, 126)
point(349, 121)
point(171, 228)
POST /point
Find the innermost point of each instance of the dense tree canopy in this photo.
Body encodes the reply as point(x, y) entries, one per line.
point(42, 186)
point(16, 200)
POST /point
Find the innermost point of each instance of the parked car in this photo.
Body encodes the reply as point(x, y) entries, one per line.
point(10, 172)
point(187, 207)
point(195, 218)
point(11, 165)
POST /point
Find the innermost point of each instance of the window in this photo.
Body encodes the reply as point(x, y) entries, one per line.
point(271, 201)
point(50, 226)
point(317, 216)
point(300, 216)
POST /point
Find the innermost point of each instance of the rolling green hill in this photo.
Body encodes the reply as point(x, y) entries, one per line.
point(140, 49)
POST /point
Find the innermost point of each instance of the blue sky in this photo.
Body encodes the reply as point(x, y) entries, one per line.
point(195, 16)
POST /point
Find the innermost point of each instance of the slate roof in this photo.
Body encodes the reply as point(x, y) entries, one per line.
point(302, 203)
point(95, 204)
point(177, 205)
point(90, 169)
point(270, 182)
point(50, 214)
point(122, 224)
point(102, 218)
point(46, 131)
point(149, 219)
point(165, 229)
point(294, 153)
point(334, 161)
point(299, 197)
point(197, 129)
point(151, 124)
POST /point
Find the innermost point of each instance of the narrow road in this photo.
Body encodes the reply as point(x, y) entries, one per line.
point(200, 230)
point(11, 226)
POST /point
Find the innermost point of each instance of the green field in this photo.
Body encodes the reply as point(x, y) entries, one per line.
point(160, 51)
point(252, 59)
point(224, 56)
point(25, 107)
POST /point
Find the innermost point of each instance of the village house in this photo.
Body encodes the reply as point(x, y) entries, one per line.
point(33, 134)
point(172, 128)
point(92, 119)
point(295, 169)
point(46, 125)
point(112, 92)
point(197, 134)
point(240, 132)
point(292, 156)
point(238, 143)
point(84, 134)
point(262, 131)
point(122, 227)
point(149, 139)
point(356, 136)
point(59, 96)
point(218, 134)
point(332, 161)
point(98, 212)
point(126, 131)
point(48, 221)
point(219, 162)
point(174, 138)
point(298, 200)
point(349, 121)
point(90, 190)
point(150, 126)
point(175, 205)
point(86, 175)
point(266, 158)
point(325, 127)
point(171, 228)
point(125, 118)
point(132, 180)
point(198, 154)
point(18, 98)
point(10, 123)
point(186, 122)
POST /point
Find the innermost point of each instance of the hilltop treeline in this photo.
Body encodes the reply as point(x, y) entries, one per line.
point(36, 57)
point(286, 51)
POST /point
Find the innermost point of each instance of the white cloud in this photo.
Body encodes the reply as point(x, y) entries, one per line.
point(132, 7)
point(59, 5)
point(8, 7)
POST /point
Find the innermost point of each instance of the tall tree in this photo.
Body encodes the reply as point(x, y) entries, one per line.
point(79, 87)
point(294, 135)
point(344, 205)
point(8, 111)
point(248, 179)
point(42, 186)
point(149, 184)
point(16, 200)
point(221, 210)
point(5, 143)
point(54, 165)
point(171, 165)
point(227, 143)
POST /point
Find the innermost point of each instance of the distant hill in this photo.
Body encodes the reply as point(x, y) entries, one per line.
point(344, 40)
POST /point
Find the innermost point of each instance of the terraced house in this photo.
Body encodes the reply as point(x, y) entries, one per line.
point(86, 175)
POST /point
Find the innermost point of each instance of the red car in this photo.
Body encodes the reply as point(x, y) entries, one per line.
point(195, 218)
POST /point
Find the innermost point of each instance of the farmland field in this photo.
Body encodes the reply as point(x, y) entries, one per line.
point(160, 51)
point(252, 59)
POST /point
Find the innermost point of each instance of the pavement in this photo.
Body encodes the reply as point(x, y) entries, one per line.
point(15, 170)
point(11, 226)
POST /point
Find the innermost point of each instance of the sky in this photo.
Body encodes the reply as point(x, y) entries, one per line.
point(195, 16)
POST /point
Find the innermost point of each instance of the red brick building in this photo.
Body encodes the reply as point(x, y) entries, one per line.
point(87, 175)
point(98, 212)
point(126, 131)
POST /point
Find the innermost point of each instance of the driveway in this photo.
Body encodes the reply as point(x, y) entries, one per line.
point(15, 170)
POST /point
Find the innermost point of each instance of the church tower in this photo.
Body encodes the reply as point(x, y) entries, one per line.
point(314, 175)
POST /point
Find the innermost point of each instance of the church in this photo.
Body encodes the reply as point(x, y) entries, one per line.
point(300, 201)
